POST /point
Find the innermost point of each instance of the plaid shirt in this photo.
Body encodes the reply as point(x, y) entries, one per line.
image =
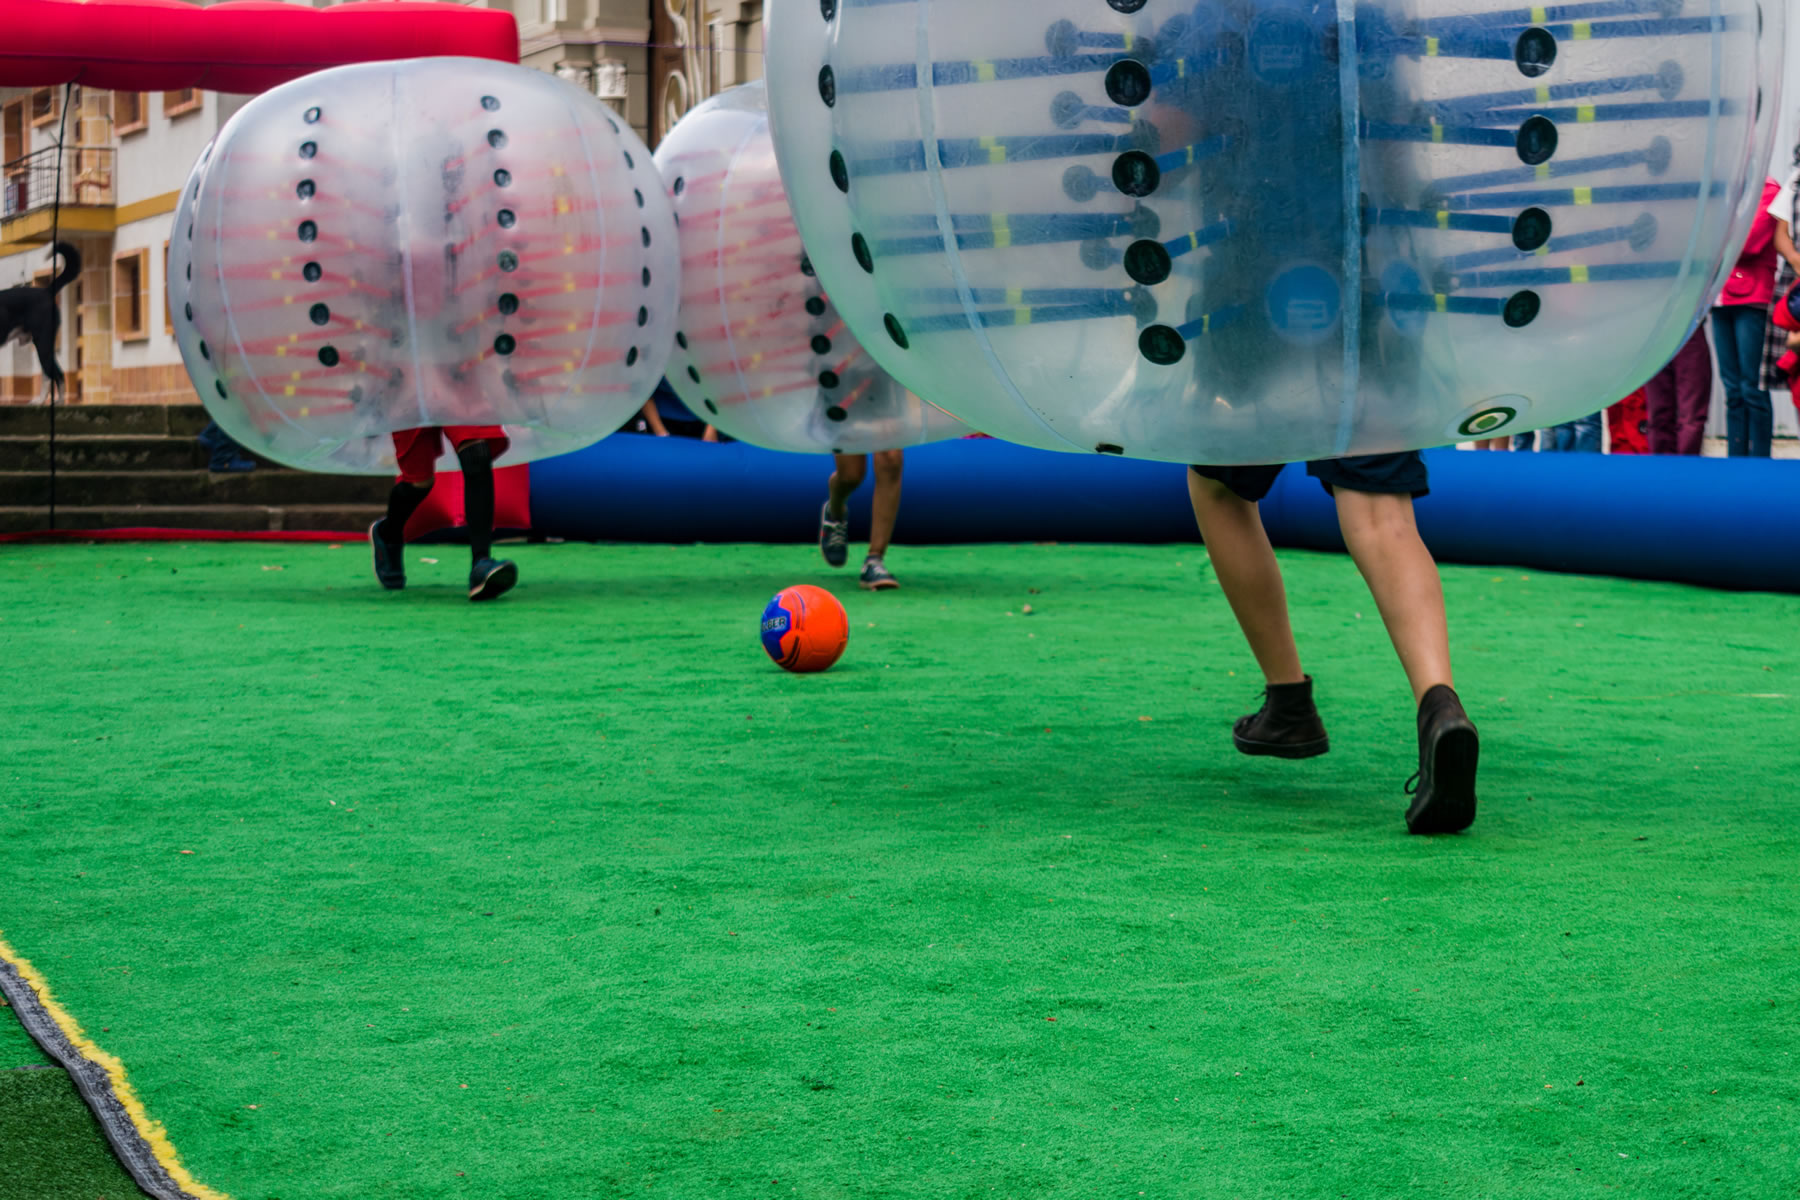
point(1775, 340)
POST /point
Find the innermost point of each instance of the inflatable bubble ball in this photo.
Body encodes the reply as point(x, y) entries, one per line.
point(760, 352)
point(429, 242)
point(1243, 231)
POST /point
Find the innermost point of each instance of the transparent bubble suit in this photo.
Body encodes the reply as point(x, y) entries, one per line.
point(1253, 230)
point(761, 353)
point(423, 243)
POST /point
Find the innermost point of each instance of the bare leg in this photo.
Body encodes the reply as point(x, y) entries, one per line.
point(888, 466)
point(851, 471)
point(1384, 540)
point(1245, 564)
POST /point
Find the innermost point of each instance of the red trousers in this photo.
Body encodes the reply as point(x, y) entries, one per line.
point(1677, 398)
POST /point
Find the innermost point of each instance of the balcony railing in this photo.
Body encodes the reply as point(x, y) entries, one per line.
point(30, 183)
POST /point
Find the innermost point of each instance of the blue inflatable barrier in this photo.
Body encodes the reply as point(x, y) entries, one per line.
point(1724, 523)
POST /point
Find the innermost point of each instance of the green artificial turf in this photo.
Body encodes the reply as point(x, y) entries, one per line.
point(575, 895)
point(50, 1148)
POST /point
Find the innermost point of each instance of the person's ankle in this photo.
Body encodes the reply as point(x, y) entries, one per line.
point(1424, 693)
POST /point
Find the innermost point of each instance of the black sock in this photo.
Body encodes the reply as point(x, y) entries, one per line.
point(478, 496)
point(403, 502)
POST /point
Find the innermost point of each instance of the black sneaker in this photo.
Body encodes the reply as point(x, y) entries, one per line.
point(492, 577)
point(876, 577)
point(390, 558)
point(834, 537)
point(1286, 726)
point(1443, 789)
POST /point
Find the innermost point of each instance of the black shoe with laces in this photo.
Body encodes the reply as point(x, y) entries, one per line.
point(1286, 726)
point(390, 558)
point(491, 577)
point(834, 537)
point(876, 577)
point(1443, 789)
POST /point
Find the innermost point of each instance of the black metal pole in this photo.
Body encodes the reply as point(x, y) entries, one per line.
point(62, 124)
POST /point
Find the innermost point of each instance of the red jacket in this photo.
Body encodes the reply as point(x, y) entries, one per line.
point(1753, 279)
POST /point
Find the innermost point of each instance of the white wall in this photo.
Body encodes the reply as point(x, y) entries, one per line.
point(1788, 131)
point(157, 161)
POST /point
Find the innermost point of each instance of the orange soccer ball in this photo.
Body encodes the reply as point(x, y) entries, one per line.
point(804, 628)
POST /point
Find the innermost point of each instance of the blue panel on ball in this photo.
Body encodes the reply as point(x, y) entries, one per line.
point(776, 622)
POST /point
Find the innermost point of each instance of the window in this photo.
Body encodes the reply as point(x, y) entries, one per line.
point(46, 106)
point(131, 112)
point(12, 119)
point(168, 312)
point(131, 295)
point(176, 104)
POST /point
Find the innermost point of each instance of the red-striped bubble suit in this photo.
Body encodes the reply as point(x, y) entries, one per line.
point(431, 242)
point(761, 352)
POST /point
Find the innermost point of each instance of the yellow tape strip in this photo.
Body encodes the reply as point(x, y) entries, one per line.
point(148, 1130)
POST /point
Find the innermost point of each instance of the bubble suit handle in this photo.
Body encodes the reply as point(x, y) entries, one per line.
point(422, 243)
point(761, 352)
point(1245, 231)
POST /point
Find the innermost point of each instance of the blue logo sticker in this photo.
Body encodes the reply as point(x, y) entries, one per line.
point(1305, 304)
point(776, 621)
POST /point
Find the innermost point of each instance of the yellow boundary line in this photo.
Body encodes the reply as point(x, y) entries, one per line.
point(149, 1131)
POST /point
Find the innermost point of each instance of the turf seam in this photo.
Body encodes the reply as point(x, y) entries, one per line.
point(138, 1142)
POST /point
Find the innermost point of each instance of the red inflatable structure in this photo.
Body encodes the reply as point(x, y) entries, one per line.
point(245, 46)
point(250, 46)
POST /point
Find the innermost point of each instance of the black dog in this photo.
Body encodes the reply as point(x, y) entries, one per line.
point(32, 312)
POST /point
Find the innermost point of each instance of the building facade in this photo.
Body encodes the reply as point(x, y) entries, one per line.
point(124, 157)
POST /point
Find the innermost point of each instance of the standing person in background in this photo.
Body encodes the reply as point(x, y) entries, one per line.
point(1787, 272)
point(1582, 434)
point(1677, 398)
point(1740, 318)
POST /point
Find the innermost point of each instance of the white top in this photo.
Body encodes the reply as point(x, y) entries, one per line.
point(1782, 207)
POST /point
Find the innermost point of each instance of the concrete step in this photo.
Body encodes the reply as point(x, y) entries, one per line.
point(33, 420)
point(348, 519)
point(102, 452)
point(265, 486)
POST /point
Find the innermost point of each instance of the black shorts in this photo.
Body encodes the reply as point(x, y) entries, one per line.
point(1383, 474)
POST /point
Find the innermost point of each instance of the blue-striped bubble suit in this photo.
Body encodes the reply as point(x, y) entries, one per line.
point(438, 241)
point(760, 350)
point(1248, 231)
